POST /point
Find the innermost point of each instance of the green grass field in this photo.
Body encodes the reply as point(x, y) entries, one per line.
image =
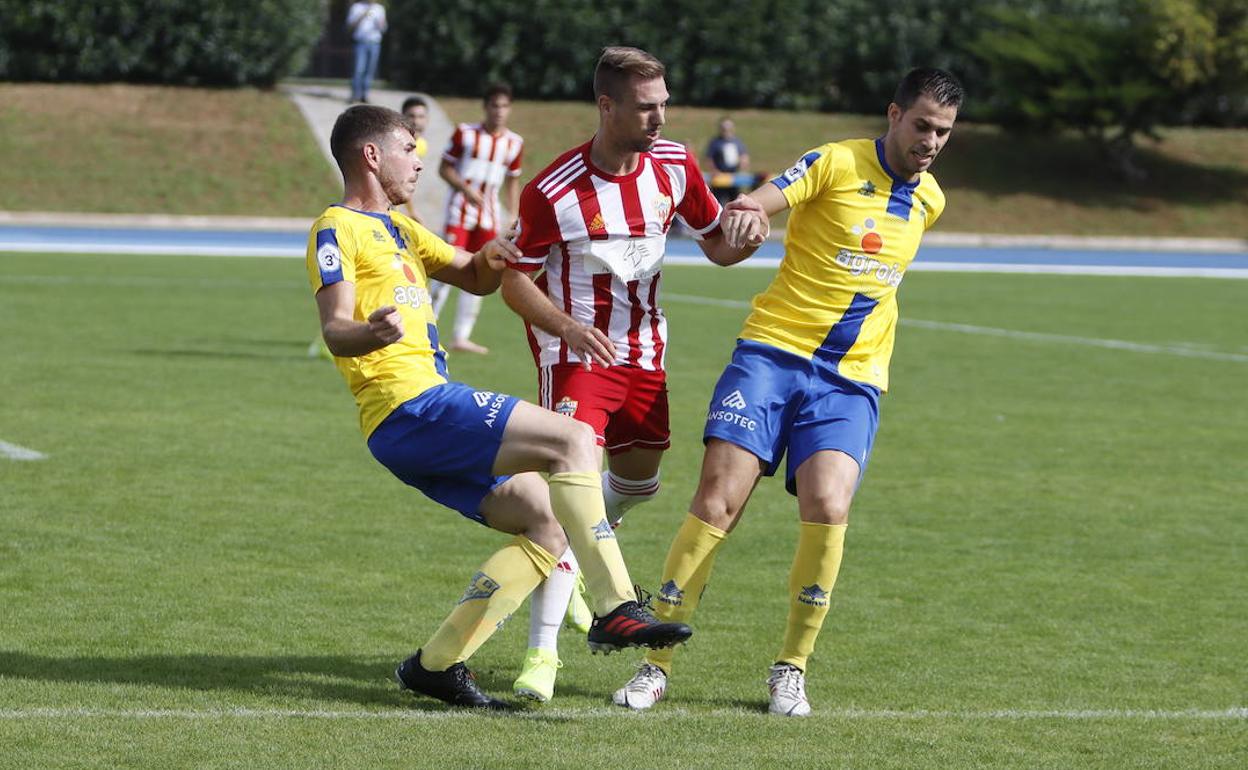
point(1046, 566)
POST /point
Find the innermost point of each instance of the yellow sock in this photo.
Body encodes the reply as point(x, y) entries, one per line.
point(577, 502)
point(498, 588)
point(685, 573)
point(815, 565)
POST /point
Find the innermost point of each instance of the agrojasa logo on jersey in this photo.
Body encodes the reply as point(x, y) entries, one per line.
point(491, 402)
point(411, 293)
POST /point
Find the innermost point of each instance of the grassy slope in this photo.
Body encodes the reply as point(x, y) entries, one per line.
point(132, 149)
point(1042, 527)
point(996, 183)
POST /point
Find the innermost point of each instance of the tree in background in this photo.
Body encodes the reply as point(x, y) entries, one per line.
point(227, 42)
point(1115, 75)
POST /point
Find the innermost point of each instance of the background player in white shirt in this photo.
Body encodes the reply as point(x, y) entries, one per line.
point(596, 221)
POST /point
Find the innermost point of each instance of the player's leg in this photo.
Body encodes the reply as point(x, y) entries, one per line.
point(746, 432)
point(469, 305)
point(831, 443)
point(537, 439)
point(466, 312)
point(411, 444)
point(440, 292)
point(636, 439)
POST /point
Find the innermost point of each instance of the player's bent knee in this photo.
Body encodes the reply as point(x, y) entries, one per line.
point(577, 448)
point(825, 508)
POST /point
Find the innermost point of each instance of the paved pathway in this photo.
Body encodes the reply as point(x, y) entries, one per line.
point(321, 106)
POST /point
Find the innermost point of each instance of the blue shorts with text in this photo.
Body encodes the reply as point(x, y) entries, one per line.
point(444, 442)
point(769, 402)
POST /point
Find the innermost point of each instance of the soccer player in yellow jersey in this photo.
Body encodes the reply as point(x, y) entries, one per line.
point(809, 365)
point(475, 451)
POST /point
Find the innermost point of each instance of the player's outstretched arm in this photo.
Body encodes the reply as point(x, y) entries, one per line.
point(746, 220)
point(528, 302)
point(479, 273)
point(344, 336)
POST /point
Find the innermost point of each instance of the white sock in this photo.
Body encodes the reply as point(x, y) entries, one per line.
point(466, 313)
point(622, 494)
point(549, 603)
point(440, 293)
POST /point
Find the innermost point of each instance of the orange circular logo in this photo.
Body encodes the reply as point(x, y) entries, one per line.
point(872, 243)
point(407, 270)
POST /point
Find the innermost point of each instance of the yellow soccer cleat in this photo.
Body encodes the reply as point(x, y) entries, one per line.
point(579, 616)
point(537, 679)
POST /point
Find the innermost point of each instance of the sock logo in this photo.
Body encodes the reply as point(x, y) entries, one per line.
point(734, 400)
point(482, 586)
point(603, 531)
point(670, 593)
point(813, 595)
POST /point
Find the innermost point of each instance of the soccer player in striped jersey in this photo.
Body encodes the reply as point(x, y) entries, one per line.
point(368, 266)
point(481, 159)
point(595, 224)
point(809, 366)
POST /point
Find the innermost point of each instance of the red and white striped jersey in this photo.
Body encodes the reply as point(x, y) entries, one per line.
point(483, 161)
point(601, 240)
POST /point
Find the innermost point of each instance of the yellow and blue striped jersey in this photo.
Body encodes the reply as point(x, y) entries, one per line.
point(389, 258)
point(854, 229)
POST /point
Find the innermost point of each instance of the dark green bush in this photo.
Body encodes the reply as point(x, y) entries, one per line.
point(224, 42)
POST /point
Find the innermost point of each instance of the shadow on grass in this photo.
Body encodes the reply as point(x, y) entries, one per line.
point(366, 681)
point(1067, 168)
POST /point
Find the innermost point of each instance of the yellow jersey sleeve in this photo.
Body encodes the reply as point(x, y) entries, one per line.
point(814, 174)
point(385, 256)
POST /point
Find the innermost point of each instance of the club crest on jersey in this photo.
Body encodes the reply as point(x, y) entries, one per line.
point(662, 206)
point(670, 593)
point(328, 257)
point(813, 595)
point(867, 190)
point(566, 407)
point(482, 586)
point(603, 531)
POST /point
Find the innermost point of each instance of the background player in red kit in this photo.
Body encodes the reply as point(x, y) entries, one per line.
point(596, 221)
point(481, 159)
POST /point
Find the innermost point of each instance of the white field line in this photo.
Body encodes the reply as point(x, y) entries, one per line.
point(1028, 269)
point(1185, 350)
point(1232, 714)
point(15, 452)
point(170, 249)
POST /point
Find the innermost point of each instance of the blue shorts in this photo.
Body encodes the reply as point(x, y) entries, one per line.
point(768, 401)
point(444, 441)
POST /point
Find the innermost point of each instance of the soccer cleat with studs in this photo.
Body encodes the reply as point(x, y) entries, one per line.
point(633, 625)
point(455, 686)
point(645, 689)
point(787, 684)
point(537, 677)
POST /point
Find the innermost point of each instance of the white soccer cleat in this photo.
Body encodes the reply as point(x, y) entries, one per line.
point(788, 691)
point(645, 689)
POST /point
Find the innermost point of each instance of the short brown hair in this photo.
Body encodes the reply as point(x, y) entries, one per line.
point(618, 63)
point(358, 125)
point(496, 89)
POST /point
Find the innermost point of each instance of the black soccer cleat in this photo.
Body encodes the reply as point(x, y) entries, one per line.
point(632, 625)
point(455, 686)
